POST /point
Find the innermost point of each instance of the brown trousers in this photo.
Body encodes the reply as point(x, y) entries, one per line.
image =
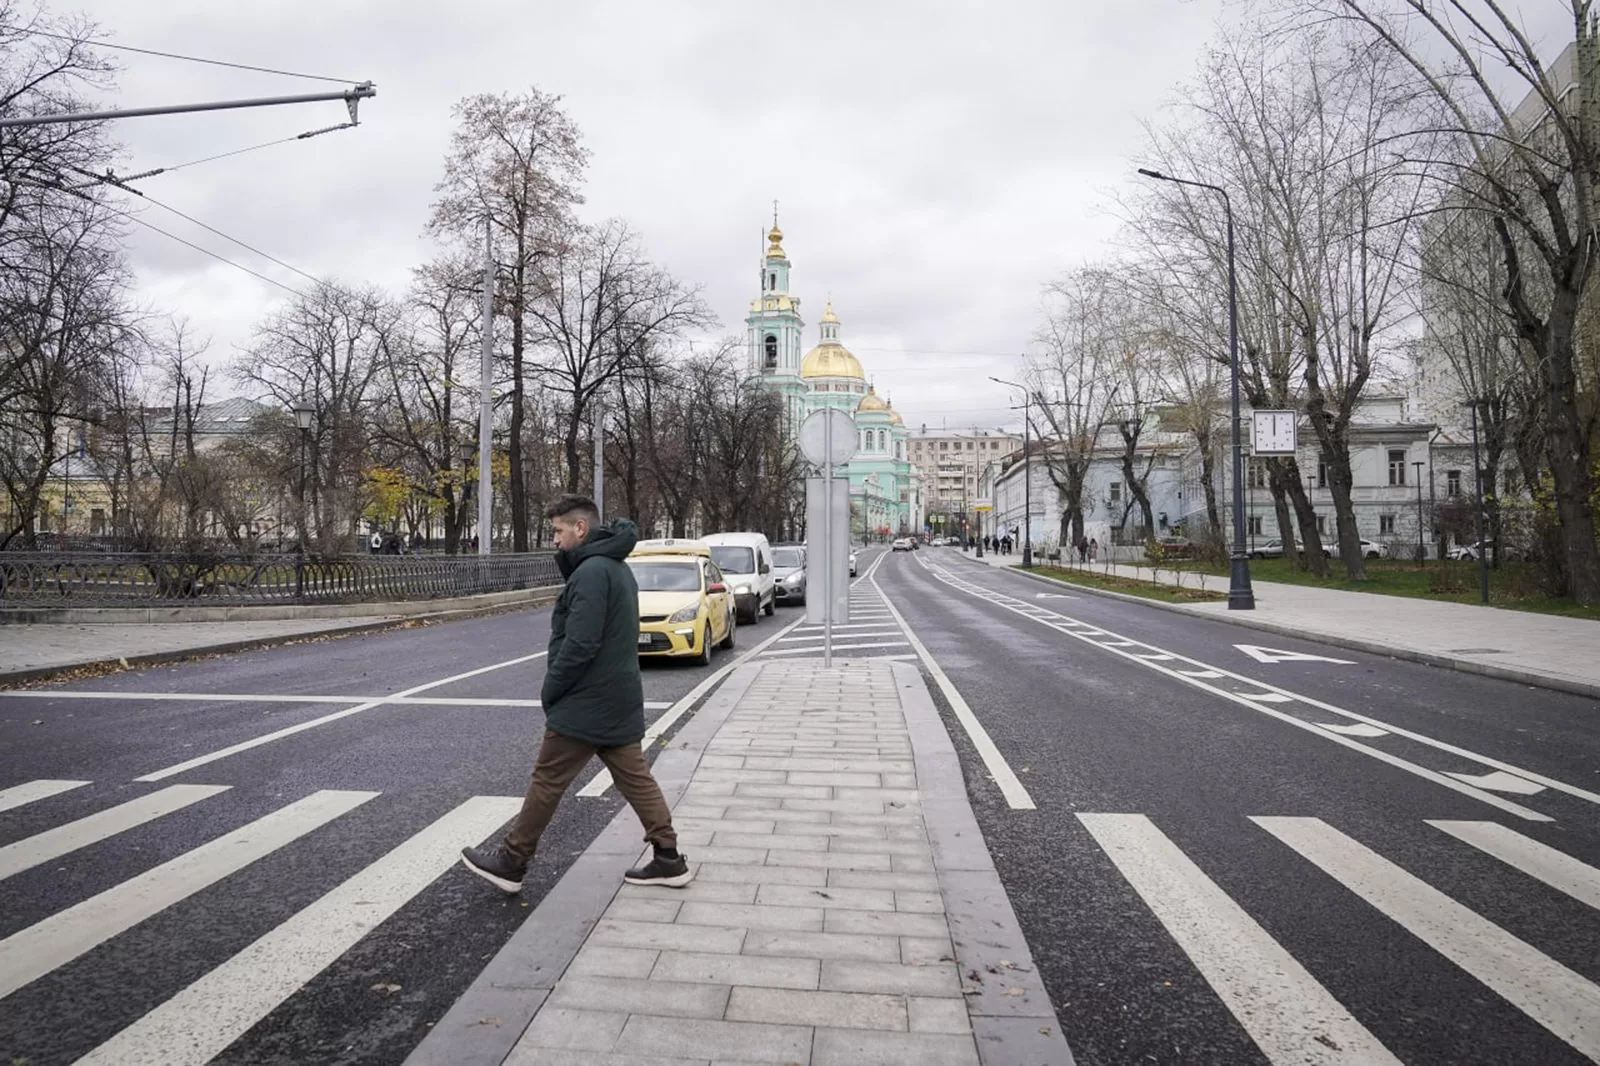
point(560, 760)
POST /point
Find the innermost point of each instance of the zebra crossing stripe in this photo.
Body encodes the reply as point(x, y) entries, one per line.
point(29, 954)
point(31, 791)
point(195, 1025)
point(1540, 861)
point(42, 847)
point(1542, 988)
point(1286, 1011)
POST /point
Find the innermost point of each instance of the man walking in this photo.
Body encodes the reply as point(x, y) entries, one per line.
point(593, 701)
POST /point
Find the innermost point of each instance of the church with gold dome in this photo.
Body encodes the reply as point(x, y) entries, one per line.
point(885, 488)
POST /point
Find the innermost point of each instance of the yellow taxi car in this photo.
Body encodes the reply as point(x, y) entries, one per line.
point(685, 606)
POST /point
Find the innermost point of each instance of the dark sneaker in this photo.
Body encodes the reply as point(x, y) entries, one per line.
point(666, 868)
point(495, 865)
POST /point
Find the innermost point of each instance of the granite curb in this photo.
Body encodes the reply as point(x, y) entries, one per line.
point(484, 1025)
point(1555, 683)
point(1012, 1018)
point(195, 651)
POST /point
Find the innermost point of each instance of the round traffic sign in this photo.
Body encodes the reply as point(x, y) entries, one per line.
point(827, 436)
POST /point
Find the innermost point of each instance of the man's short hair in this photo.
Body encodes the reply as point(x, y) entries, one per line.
point(574, 508)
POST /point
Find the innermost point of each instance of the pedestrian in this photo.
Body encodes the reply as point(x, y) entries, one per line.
point(593, 700)
point(1094, 548)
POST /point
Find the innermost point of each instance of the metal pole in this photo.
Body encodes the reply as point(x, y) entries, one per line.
point(1477, 511)
point(1241, 597)
point(486, 398)
point(1422, 551)
point(1027, 484)
point(600, 455)
point(827, 540)
point(349, 96)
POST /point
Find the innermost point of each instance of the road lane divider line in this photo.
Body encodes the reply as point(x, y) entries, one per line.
point(1540, 861)
point(195, 1025)
point(51, 844)
point(33, 791)
point(29, 954)
point(601, 781)
point(1258, 705)
point(838, 647)
point(1000, 771)
point(246, 697)
point(301, 727)
point(1557, 998)
point(1292, 1018)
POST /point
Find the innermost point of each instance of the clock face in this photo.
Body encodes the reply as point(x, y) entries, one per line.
point(1273, 432)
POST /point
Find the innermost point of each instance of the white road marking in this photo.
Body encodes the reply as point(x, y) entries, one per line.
point(1279, 655)
point(195, 1025)
point(301, 727)
point(1540, 861)
point(851, 636)
point(33, 791)
point(601, 781)
point(27, 955)
point(1261, 697)
point(1200, 670)
point(1539, 986)
point(1005, 778)
point(54, 843)
point(852, 625)
point(245, 697)
point(1500, 781)
point(1292, 1018)
point(837, 648)
point(1354, 729)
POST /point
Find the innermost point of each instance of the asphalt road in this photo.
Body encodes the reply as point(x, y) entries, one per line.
point(80, 962)
point(261, 829)
point(1151, 899)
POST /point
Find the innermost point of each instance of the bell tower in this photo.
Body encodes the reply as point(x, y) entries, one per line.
point(774, 324)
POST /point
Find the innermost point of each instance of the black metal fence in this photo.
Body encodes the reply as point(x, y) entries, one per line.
point(107, 579)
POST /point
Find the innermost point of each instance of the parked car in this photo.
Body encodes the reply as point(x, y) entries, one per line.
point(1369, 548)
point(685, 608)
point(789, 573)
point(1272, 549)
point(1467, 552)
point(745, 559)
point(901, 544)
point(852, 563)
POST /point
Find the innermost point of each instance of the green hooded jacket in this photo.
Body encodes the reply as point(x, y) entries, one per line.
point(592, 690)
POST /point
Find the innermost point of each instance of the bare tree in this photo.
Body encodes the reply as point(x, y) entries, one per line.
point(1533, 169)
point(515, 162)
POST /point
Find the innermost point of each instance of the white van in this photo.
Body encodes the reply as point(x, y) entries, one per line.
point(745, 560)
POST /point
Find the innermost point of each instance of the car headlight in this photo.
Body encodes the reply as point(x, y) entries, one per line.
point(742, 590)
point(687, 613)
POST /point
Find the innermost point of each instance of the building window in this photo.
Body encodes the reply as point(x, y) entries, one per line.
point(97, 522)
point(1116, 492)
point(1452, 483)
point(772, 281)
point(1255, 525)
point(1258, 474)
point(969, 445)
point(1397, 466)
point(1322, 473)
point(771, 344)
point(1322, 525)
point(943, 445)
point(1385, 524)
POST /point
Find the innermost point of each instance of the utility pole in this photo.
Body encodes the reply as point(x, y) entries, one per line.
point(600, 455)
point(1422, 551)
point(486, 399)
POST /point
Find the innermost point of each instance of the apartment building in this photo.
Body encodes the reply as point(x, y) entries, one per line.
point(951, 462)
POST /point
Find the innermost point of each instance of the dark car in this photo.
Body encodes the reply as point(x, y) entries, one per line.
point(789, 574)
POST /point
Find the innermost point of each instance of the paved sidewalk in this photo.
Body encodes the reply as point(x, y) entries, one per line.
point(1538, 649)
point(37, 650)
point(845, 911)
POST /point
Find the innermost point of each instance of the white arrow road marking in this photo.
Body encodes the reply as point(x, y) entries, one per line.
point(1264, 697)
point(1499, 781)
point(1279, 655)
point(1052, 596)
point(1357, 729)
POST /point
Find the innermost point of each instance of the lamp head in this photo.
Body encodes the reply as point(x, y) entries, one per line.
point(1152, 174)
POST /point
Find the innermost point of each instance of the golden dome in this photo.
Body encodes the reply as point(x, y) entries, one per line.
point(830, 360)
point(775, 243)
point(895, 419)
point(828, 315)
point(871, 401)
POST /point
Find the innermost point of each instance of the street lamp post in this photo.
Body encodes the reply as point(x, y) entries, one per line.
point(1477, 509)
point(304, 413)
point(1027, 474)
point(1241, 597)
point(1422, 551)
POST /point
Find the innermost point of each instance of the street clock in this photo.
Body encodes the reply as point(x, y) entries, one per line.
point(1274, 432)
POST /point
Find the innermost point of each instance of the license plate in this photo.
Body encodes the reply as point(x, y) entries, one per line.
point(644, 639)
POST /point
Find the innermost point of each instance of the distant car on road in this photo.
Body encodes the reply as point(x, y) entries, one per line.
point(789, 573)
point(852, 564)
point(901, 544)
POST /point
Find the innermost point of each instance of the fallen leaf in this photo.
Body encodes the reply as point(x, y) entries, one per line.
point(386, 989)
point(1016, 992)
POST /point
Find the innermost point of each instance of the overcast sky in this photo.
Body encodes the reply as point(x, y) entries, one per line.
point(933, 163)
